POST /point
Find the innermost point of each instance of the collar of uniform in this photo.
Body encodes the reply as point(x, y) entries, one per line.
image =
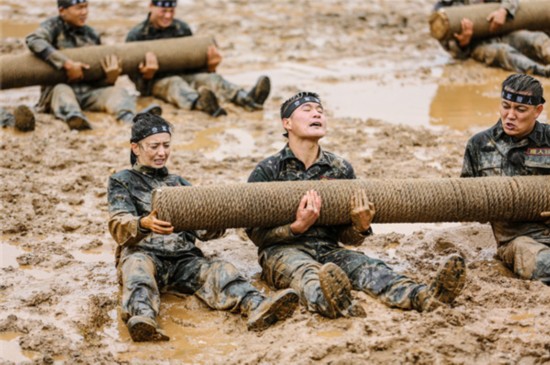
point(497, 130)
point(149, 171)
point(287, 153)
point(69, 28)
point(535, 135)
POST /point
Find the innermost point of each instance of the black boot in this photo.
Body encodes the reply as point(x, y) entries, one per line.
point(143, 328)
point(78, 122)
point(259, 93)
point(279, 306)
point(336, 289)
point(243, 99)
point(24, 118)
point(208, 103)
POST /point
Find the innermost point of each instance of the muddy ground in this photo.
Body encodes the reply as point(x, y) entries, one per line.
point(398, 107)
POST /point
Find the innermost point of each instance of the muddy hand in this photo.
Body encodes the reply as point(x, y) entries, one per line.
point(213, 58)
point(497, 19)
point(362, 211)
point(153, 224)
point(149, 67)
point(75, 70)
point(308, 212)
point(465, 36)
point(112, 66)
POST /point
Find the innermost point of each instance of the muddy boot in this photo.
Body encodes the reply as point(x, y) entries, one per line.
point(152, 108)
point(259, 93)
point(78, 122)
point(243, 99)
point(277, 307)
point(447, 285)
point(208, 103)
point(144, 328)
point(336, 288)
point(24, 118)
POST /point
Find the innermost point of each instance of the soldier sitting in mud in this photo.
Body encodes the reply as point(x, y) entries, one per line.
point(69, 30)
point(520, 51)
point(309, 258)
point(516, 145)
point(152, 258)
point(194, 90)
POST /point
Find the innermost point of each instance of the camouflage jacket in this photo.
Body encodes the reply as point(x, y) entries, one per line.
point(451, 45)
point(54, 35)
point(144, 31)
point(284, 166)
point(129, 194)
point(494, 153)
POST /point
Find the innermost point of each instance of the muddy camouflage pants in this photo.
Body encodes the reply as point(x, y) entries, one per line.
point(181, 91)
point(296, 266)
point(6, 118)
point(521, 51)
point(115, 100)
point(528, 258)
point(217, 283)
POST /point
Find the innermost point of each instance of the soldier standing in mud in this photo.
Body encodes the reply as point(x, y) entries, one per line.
point(516, 145)
point(152, 258)
point(520, 51)
point(309, 258)
point(195, 90)
point(69, 30)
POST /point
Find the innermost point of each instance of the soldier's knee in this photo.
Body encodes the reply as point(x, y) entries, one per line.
point(542, 266)
point(62, 89)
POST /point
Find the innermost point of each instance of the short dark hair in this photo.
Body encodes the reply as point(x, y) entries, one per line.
point(522, 83)
point(146, 124)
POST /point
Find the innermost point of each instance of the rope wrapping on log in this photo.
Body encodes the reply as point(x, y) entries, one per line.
point(519, 198)
point(531, 15)
point(174, 55)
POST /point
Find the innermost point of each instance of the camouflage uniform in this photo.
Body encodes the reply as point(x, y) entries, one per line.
point(521, 51)
point(522, 246)
point(179, 89)
point(149, 262)
point(66, 100)
point(290, 260)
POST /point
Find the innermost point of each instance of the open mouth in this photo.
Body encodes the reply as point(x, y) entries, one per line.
point(316, 124)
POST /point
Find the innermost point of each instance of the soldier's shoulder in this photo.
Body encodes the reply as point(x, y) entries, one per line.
point(50, 23)
point(122, 175)
point(181, 24)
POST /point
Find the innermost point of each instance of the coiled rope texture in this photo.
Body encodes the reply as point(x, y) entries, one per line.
point(396, 201)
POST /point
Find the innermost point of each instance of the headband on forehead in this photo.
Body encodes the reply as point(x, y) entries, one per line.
point(165, 3)
point(69, 3)
point(295, 104)
point(522, 99)
point(144, 133)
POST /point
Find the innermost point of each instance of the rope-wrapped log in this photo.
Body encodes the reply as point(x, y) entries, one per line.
point(396, 201)
point(174, 55)
point(531, 15)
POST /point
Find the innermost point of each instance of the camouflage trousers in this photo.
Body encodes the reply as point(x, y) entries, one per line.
point(297, 266)
point(6, 118)
point(528, 258)
point(217, 283)
point(520, 51)
point(65, 102)
point(181, 91)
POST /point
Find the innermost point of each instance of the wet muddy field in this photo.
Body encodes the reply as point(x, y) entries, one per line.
point(398, 108)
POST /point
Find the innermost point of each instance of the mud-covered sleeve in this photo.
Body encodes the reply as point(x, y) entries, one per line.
point(350, 236)
point(207, 235)
point(145, 87)
point(469, 165)
point(40, 43)
point(511, 7)
point(123, 216)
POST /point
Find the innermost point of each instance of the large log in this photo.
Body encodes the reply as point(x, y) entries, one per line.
point(397, 201)
point(531, 15)
point(176, 54)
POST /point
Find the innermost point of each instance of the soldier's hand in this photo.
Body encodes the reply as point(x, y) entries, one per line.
point(153, 224)
point(497, 19)
point(213, 58)
point(465, 36)
point(308, 212)
point(75, 70)
point(362, 211)
point(150, 66)
point(112, 66)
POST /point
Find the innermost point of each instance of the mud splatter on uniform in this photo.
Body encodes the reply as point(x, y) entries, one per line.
point(150, 262)
point(523, 246)
point(290, 260)
point(521, 50)
point(66, 100)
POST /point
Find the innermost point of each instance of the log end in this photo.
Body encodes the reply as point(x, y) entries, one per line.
point(439, 25)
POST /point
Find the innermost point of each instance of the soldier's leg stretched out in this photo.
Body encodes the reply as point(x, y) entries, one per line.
point(377, 279)
point(65, 106)
point(528, 258)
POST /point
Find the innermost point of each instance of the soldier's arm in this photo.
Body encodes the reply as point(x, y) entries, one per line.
point(144, 86)
point(40, 43)
point(350, 236)
point(511, 7)
point(124, 219)
point(469, 165)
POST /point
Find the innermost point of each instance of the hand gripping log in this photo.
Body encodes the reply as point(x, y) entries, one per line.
point(531, 15)
point(396, 201)
point(174, 55)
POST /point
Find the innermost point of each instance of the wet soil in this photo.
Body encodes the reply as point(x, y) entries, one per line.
point(398, 107)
